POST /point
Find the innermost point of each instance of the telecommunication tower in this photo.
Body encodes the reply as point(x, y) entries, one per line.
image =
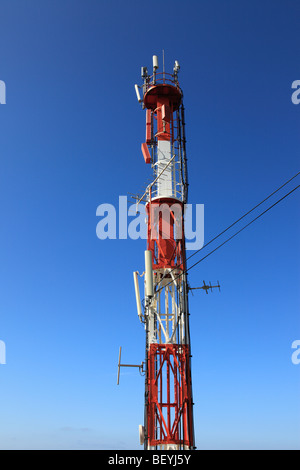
point(168, 420)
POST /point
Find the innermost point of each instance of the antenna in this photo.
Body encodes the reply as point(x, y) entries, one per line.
point(141, 366)
point(138, 93)
point(148, 274)
point(137, 294)
point(176, 66)
point(119, 365)
point(144, 72)
point(206, 287)
point(155, 67)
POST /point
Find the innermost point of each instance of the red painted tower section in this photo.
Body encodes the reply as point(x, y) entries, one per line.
point(168, 385)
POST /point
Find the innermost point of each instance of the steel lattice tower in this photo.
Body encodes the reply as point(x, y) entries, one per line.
point(168, 420)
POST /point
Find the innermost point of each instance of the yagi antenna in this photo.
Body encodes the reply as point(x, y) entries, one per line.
point(141, 366)
point(206, 287)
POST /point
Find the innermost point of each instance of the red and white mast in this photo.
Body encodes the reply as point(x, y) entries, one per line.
point(168, 385)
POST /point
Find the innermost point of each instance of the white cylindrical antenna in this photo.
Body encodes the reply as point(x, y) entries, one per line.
point(177, 66)
point(142, 434)
point(148, 274)
point(137, 294)
point(138, 93)
point(155, 63)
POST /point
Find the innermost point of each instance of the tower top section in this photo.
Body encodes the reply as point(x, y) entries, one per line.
point(164, 147)
point(160, 85)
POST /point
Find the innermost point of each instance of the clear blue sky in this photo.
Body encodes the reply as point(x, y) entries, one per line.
point(70, 137)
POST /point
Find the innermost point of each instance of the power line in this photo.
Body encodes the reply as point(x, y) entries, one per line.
point(243, 216)
point(238, 220)
point(234, 235)
point(243, 228)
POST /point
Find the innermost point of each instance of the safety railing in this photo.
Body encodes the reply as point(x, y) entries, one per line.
point(161, 78)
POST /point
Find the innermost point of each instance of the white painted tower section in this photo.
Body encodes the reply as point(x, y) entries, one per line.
point(166, 183)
